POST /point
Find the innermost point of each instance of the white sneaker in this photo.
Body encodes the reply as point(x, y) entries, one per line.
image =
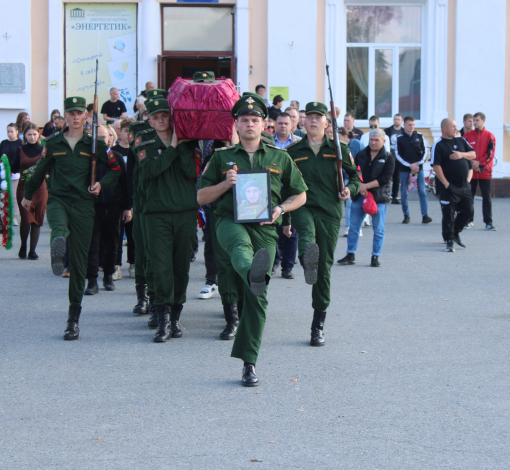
point(117, 275)
point(208, 291)
point(360, 232)
point(346, 231)
point(131, 271)
point(124, 242)
point(366, 221)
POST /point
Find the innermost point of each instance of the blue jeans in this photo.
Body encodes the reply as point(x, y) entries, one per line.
point(404, 183)
point(378, 224)
point(348, 204)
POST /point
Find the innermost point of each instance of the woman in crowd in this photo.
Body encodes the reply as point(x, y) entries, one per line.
point(349, 138)
point(9, 147)
point(31, 220)
point(376, 166)
point(49, 127)
point(21, 121)
point(141, 113)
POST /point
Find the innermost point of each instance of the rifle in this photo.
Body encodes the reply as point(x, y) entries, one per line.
point(95, 125)
point(338, 150)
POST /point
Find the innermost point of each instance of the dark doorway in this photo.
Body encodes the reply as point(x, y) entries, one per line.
point(172, 67)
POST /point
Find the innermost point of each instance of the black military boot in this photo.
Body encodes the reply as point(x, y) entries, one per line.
point(153, 319)
point(250, 378)
point(108, 282)
point(175, 314)
point(317, 338)
point(92, 288)
point(141, 308)
point(232, 320)
point(72, 329)
point(310, 263)
point(163, 333)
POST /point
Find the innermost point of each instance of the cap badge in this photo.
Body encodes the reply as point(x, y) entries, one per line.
point(250, 100)
point(250, 106)
point(74, 100)
point(231, 163)
point(204, 75)
point(154, 93)
point(156, 102)
point(315, 103)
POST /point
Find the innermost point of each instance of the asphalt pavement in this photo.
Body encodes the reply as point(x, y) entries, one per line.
point(414, 375)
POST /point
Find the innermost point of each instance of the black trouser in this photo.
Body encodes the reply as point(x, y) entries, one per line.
point(106, 229)
point(455, 199)
point(211, 270)
point(130, 242)
point(287, 248)
point(395, 187)
point(485, 188)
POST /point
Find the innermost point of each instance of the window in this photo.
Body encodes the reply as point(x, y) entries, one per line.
point(384, 61)
point(197, 29)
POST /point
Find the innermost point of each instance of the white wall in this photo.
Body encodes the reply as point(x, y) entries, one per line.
point(149, 42)
point(15, 21)
point(480, 65)
point(292, 65)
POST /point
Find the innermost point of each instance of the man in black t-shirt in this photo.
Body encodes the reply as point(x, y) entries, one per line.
point(113, 109)
point(451, 159)
point(393, 132)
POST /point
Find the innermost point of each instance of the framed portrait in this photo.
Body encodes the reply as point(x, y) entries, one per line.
point(252, 197)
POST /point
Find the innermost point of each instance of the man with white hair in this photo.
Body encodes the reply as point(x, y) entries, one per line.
point(376, 165)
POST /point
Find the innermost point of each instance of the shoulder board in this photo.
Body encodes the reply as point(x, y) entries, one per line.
point(225, 148)
point(291, 145)
point(52, 135)
point(144, 132)
point(275, 147)
point(147, 142)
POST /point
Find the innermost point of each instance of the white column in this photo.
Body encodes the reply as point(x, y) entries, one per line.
point(436, 65)
point(336, 53)
point(291, 53)
point(242, 38)
point(480, 66)
point(56, 56)
point(149, 42)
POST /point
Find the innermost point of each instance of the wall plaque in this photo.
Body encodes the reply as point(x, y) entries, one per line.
point(12, 78)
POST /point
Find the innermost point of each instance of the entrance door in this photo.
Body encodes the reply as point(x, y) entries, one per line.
point(172, 67)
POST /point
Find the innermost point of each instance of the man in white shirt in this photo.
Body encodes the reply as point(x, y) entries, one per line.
point(373, 122)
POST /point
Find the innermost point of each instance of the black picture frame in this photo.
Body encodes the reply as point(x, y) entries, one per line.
point(246, 212)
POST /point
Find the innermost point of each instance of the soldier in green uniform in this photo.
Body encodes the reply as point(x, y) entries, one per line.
point(319, 219)
point(70, 212)
point(168, 174)
point(251, 246)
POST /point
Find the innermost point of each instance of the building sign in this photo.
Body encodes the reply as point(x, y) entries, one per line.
point(12, 78)
point(106, 31)
point(283, 91)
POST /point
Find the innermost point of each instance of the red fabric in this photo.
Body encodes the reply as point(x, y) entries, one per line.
point(202, 110)
point(369, 204)
point(484, 144)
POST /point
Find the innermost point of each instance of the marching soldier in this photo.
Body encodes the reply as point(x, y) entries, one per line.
point(70, 212)
point(251, 246)
point(318, 221)
point(168, 173)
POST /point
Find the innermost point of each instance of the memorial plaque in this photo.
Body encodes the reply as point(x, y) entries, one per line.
point(12, 78)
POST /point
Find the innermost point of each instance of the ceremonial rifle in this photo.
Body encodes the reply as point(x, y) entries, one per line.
point(95, 125)
point(338, 150)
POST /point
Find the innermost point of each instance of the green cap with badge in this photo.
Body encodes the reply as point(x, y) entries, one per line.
point(157, 104)
point(203, 77)
point(75, 103)
point(156, 92)
point(250, 104)
point(317, 108)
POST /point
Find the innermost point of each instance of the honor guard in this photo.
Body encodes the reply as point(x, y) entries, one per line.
point(71, 210)
point(250, 246)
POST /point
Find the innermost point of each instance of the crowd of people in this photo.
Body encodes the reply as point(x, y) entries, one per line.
point(150, 186)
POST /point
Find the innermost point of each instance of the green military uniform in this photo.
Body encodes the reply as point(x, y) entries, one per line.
point(140, 258)
point(241, 241)
point(70, 211)
point(318, 220)
point(170, 207)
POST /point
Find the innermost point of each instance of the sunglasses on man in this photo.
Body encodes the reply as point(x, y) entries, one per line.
point(270, 127)
point(373, 126)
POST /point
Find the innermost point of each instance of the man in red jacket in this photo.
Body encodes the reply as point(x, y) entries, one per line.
point(484, 144)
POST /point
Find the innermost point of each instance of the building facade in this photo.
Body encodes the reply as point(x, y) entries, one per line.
point(427, 58)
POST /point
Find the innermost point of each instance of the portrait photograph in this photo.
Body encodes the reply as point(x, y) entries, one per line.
point(252, 197)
